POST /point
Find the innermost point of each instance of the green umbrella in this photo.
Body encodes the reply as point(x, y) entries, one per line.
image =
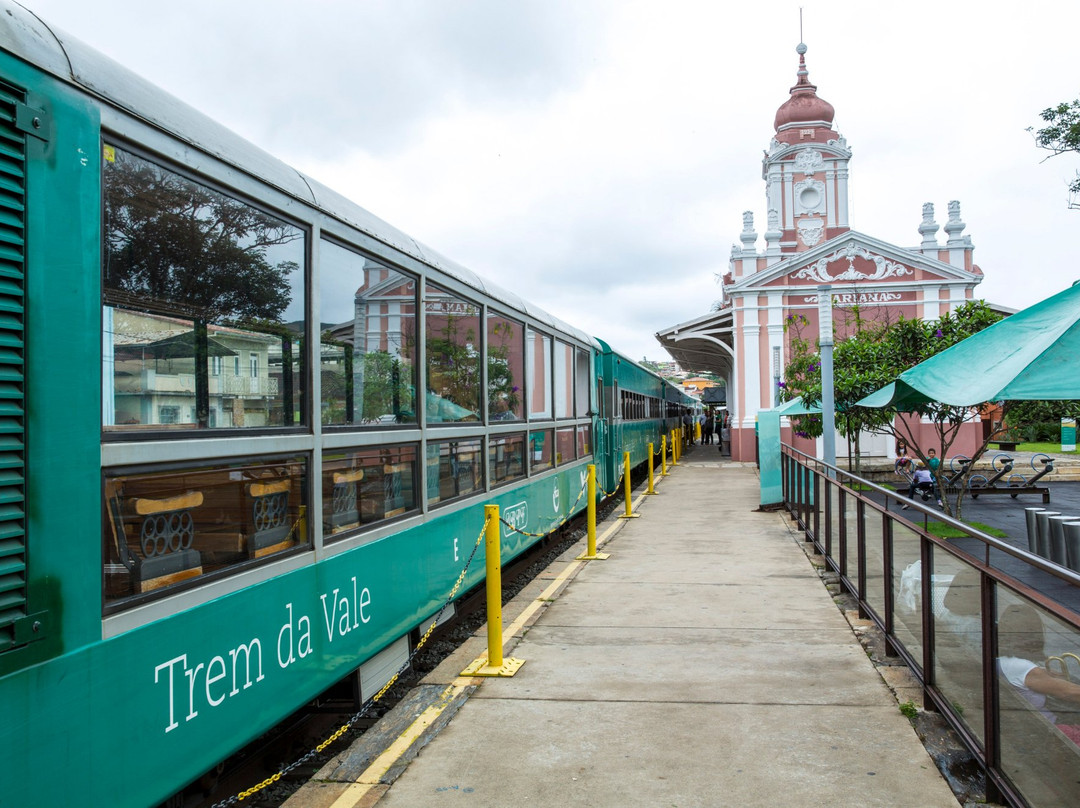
point(1034, 354)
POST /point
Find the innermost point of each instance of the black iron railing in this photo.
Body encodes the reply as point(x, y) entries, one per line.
point(987, 627)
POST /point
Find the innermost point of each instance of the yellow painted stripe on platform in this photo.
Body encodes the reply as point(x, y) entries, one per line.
point(372, 775)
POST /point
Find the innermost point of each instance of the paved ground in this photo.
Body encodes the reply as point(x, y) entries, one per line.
point(703, 664)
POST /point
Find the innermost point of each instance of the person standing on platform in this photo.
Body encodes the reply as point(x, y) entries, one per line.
point(707, 430)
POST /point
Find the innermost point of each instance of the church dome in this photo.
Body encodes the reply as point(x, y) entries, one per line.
point(804, 106)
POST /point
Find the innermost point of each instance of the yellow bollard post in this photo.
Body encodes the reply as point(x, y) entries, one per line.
point(676, 439)
point(494, 665)
point(663, 455)
point(626, 487)
point(697, 431)
point(590, 553)
point(651, 489)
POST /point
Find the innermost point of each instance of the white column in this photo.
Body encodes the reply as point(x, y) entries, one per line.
point(789, 203)
point(775, 320)
point(842, 196)
point(751, 357)
point(830, 199)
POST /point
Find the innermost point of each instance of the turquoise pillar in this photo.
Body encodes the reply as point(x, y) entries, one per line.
point(772, 484)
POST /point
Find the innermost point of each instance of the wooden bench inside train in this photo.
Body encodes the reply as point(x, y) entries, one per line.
point(171, 527)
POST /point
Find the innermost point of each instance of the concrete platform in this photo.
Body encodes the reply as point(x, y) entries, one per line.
point(704, 664)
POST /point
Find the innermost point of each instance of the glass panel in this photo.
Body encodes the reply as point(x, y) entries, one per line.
point(368, 340)
point(191, 276)
point(833, 537)
point(538, 366)
point(581, 385)
point(361, 486)
point(506, 369)
point(453, 357)
point(851, 530)
point(564, 445)
point(1039, 701)
point(907, 592)
point(506, 458)
point(957, 609)
point(541, 449)
point(875, 562)
point(564, 379)
point(584, 441)
point(163, 528)
point(455, 468)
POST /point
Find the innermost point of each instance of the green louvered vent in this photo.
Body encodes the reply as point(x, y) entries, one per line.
point(13, 605)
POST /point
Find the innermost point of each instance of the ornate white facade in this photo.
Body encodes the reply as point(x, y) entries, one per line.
point(809, 242)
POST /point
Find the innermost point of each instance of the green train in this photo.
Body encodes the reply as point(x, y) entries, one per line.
point(247, 431)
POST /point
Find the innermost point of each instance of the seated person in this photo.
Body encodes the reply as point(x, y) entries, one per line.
point(1020, 635)
point(921, 481)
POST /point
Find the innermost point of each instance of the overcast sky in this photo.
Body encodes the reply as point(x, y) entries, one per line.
point(595, 156)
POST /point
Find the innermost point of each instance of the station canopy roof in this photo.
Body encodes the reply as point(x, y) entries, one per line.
point(703, 345)
point(1033, 354)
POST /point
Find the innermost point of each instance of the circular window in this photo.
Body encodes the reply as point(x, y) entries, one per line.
point(810, 198)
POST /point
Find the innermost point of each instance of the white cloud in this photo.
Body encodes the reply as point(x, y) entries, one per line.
point(596, 157)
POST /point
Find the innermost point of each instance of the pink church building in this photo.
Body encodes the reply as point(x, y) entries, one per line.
point(809, 242)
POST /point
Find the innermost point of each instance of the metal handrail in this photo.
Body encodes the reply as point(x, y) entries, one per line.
point(803, 478)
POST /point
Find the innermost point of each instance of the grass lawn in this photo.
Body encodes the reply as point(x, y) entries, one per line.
point(1049, 448)
point(943, 531)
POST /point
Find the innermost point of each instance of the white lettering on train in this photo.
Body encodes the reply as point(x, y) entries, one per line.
point(208, 674)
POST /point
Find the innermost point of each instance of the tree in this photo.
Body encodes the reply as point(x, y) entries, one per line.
point(1061, 135)
point(176, 247)
point(872, 356)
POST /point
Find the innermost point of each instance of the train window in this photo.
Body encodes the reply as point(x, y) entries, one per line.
point(166, 527)
point(584, 441)
point(564, 380)
point(368, 347)
point(506, 368)
point(453, 357)
point(538, 370)
point(455, 468)
point(541, 449)
point(564, 445)
point(506, 458)
point(362, 486)
point(190, 276)
point(581, 384)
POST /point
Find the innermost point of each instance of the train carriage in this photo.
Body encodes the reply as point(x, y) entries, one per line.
point(248, 430)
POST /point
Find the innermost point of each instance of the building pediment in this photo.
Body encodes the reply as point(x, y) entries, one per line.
point(855, 258)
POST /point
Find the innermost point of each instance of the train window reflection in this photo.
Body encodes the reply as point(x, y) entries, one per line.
point(564, 444)
point(506, 457)
point(191, 277)
point(581, 384)
point(538, 368)
point(368, 348)
point(564, 379)
point(454, 468)
point(363, 486)
point(506, 368)
point(584, 441)
point(163, 528)
point(453, 357)
point(541, 449)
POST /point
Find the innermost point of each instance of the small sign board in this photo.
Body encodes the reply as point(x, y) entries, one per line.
point(1068, 434)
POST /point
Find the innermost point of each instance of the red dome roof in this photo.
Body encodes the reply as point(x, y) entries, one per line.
point(804, 105)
